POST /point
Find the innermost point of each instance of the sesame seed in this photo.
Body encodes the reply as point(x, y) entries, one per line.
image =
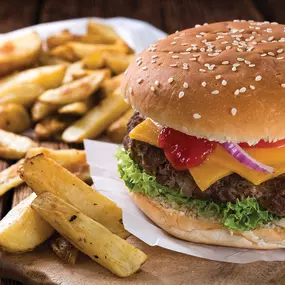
point(181, 94)
point(176, 38)
point(197, 26)
point(251, 65)
point(247, 62)
point(189, 49)
point(215, 92)
point(170, 80)
point(252, 87)
point(204, 84)
point(185, 66)
point(202, 70)
point(225, 62)
point(219, 76)
point(280, 57)
point(280, 50)
point(126, 72)
point(224, 82)
point(144, 68)
point(156, 82)
point(242, 90)
point(153, 61)
point(140, 80)
point(173, 65)
point(271, 53)
point(198, 36)
point(258, 78)
point(138, 58)
point(254, 43)
point(283, 85)
point(236, 92)
point(196, 116)
point(236, 64)
point(270, 38)
point(185, 85)
point(170, 52)
point(131, 90)
point(264, 54)
point(154, 56)
point(184, 44)
point(193, 58)
point(196, 55)
point(234, 68)
point(152, 88)
point(175, 56)
point(240, 59)
point(185, 52)
point(239, 50)
point(173, 43)
point(234, 111)
point(139, 63)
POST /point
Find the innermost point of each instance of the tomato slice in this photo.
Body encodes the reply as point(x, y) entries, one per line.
point(263, 144)
point(184, 151)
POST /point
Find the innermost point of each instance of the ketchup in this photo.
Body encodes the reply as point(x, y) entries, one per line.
point(184, 151)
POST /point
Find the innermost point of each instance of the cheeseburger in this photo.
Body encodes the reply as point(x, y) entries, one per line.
point(204, 157)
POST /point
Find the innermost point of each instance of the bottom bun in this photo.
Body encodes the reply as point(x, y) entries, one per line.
point(207, 231)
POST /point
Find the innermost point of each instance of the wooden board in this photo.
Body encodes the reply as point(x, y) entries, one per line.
point(163, 267)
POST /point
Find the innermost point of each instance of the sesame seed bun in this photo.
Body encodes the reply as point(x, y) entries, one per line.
point(222, 81)
point(207, 231)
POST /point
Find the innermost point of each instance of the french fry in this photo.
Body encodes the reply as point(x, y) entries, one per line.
point(74, 91)
point(94, 61)
point(71, 159)
point(23, 94)
point(14, 146)
point(19, 53)
point(14, 118)
point(74, 191)
point(9, 177)
point(75, 68)
point(46, 76)
point(22, 229)
point(90, 237)
point(76, 108)
point(47, 59)
point(64, 52)
point(97, 119)
point(64, 249)
point(118, 129)
point(41, 110)
point(50, 126)
point(103, 30)
point(111, 84)
point(118, 63)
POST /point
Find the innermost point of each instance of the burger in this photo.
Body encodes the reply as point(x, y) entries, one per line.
point(204, 157)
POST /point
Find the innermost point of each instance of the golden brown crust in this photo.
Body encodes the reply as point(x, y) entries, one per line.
point(207, 231)
point(254, 50)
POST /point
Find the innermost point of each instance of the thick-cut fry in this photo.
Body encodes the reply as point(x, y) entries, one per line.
point(95, 61)
point(102, 246)
point(82, 50)
point(22, 229)
point(9, 177)
point(41, 110)
point(71, 159)
point(47, 77)
point(103, 30)
point(64, 249)
point(70, 188)
point(14, 118)
point(118, 63)
point(14, 146)
point(75, 91)
point(75, 68)
point(118, 129)
point(76, 108)
point(19, 53)
point(97, 119)
point(50, 126)
point(48, 59)
point(65, 52)
point(111, 84)
point(23, 94)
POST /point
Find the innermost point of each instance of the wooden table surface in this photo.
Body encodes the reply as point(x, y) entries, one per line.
point(168, 15)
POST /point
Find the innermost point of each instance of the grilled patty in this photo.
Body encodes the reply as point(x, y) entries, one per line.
point(270, 194)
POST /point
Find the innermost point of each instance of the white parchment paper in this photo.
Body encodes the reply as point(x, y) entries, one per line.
point(101, 157)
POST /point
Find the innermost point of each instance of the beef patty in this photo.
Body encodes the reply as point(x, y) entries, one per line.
point(270, 194)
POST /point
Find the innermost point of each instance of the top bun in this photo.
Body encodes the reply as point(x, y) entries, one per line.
point(222, 81)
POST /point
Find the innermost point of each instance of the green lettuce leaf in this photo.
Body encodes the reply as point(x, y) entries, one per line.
point(244, 215)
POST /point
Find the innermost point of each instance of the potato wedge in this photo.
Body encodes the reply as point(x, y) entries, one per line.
point(9, 177)
point(118, 129)
point(48, 59)
point(97, 119)
point(64, 249)
point(111, 84)
point(64, 52)
point(70, 188)
point(95, 61)
point(46, 76)
point(118, 63)
point(22, 229)
point(82, 50)
point(71, 159)
point(50, 126)
point(77, 90)
point(76, 108)
point(14, 118)
point(103, 30)
point(41, 110)
point(23, 94)
point(75, 68)
point(14, 146)
point(90, 237)
point(19, 53)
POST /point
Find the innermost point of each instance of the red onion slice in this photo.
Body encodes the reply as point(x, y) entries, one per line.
point(239, 154)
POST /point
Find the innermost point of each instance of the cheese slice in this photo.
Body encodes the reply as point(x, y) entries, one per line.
point(220, 163)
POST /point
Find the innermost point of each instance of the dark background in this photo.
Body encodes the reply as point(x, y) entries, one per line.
point(168, 15)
